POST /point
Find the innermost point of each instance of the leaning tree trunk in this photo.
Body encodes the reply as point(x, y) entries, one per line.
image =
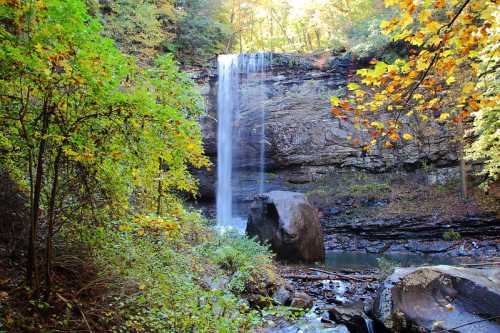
point(160, 189)
point(461, 153)
point(50, 232)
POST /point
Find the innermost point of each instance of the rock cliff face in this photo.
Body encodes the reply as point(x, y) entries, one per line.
point(310, 151)
point(300, 130)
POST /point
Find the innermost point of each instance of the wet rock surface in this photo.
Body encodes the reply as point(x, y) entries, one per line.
point(289, 223)
point(299, 127)
point(341, 298)
point(422, 234)
point(440, 297)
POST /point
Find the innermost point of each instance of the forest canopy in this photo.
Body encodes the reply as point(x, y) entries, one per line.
point(196, 30)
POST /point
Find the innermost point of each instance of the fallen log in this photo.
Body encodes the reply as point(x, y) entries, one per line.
point(329, 277)
point(359, 277)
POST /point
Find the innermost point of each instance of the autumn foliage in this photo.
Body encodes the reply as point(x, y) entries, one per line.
point(453, 52)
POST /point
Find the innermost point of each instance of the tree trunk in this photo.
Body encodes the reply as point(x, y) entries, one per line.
point(463, 165)
point(50, 233)
point(31, 269)
point(160, 190)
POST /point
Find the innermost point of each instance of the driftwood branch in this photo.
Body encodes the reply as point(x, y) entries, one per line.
point(327, 275)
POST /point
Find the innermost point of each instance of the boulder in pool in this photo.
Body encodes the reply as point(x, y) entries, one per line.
point(440, 298)
point(289, 224)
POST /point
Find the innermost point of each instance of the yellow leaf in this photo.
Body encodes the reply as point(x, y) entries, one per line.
point(360, 93)
point(140, 232)
point(394, 136)
point(447, 53)
point(352, 86)
point(468, 87)
point(405, 20)
point(407, 136)
point(39, 47)
point(424, 15)
point(443, 116)
point(123, 227)
point(335, 101)
point(435, 40)
point(389, 3)
point(450, 80)
point(439, 4)
point(377, 124)
point(384, 25)
point(432, 27)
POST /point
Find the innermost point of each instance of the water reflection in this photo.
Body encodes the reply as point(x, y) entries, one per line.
point(361, 261)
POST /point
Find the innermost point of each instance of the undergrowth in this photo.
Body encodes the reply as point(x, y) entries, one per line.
point(153, 274)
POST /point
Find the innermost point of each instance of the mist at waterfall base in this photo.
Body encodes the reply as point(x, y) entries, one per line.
point(233, 126)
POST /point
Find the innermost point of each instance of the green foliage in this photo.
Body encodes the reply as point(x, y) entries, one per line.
point(193, 30)
point(386, 266)
point(486, 126)
point(163, 274)
point(94, 138)
point(106, 117)
point(247, 263)
point(307, 26)
point(202, 31)
point(451, 235)
point(87, 133)
point(135, 25)
point(369, 189)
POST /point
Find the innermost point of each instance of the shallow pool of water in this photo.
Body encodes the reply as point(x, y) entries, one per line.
point(361, 261)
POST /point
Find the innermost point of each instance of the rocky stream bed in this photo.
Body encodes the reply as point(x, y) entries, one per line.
point(411, 285)
point(442, 298)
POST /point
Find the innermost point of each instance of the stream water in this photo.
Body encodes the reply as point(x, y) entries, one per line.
point(361, 261)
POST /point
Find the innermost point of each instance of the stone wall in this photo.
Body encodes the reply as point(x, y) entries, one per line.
point(303, 138)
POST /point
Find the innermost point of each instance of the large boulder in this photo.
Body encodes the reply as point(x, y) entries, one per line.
point(289, 223)
point(448, 298)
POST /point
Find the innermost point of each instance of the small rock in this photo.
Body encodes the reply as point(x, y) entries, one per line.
point(334, 211)
point(258, 301)
point(301, 300)
point(282, 296)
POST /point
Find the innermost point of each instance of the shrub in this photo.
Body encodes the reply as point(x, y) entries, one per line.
point(248, 264)
point(451, 235)
point(386, 265)
point(162, 272)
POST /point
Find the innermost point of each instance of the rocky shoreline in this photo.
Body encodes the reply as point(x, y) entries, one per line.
point(346, 301)
point(478, 235)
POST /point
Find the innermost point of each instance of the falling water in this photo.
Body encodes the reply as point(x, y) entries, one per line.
point(228, 80)
point(231, 69)
point(369, 325)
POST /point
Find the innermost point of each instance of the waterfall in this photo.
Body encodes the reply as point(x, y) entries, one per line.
point(238, 134)
point(227, 86)
point(369, 325)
